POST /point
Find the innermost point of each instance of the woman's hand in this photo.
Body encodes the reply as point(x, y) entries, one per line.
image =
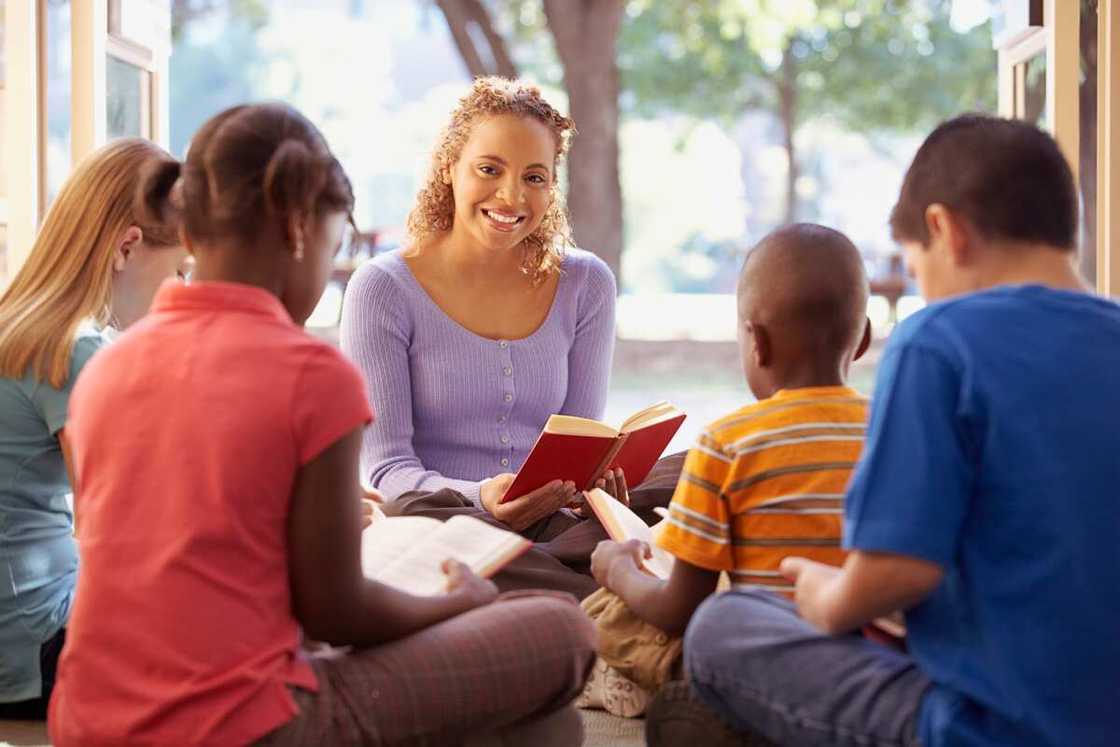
point(474, 590)
point(523, 512)
point(609, 557)
point(613, 482)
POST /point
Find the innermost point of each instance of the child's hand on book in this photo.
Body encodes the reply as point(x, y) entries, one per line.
point(523, 512)
point(812, 581)
point(465, 583)
point(610, 557)
point(367, 512)
point(372, 497)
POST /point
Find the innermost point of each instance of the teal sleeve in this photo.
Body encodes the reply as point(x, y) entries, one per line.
point(52, 403)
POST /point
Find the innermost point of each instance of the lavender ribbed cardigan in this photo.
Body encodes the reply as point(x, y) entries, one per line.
point(452, 408)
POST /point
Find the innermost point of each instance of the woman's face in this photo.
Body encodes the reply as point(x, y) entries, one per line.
point(307, 279)
point(502, 181)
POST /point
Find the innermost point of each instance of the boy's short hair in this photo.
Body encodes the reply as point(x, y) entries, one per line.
point(808, 281)
point(1008, 178)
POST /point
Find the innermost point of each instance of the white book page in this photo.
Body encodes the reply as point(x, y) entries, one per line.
point(573, 426)
point(419, 568)
point(627, 525)
point(661, 564)
point(655, 413)
point(415, 573)
point(388, 538)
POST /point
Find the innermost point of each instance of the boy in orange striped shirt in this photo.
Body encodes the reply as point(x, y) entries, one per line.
point(762, 483)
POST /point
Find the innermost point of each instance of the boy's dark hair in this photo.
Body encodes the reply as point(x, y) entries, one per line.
point(247, 167)
point(1008, 178)
point(807, 282)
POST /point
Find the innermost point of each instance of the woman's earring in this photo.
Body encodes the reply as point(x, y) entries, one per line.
point(298, 254)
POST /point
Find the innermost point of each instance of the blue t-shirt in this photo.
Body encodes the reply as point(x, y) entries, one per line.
point(38, 556)
point(994, 451)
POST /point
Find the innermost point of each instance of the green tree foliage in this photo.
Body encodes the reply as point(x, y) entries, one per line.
point(890, 64)
point(870, 65)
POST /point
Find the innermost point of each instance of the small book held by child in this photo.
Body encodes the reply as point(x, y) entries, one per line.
point(622, 525)
point(408, 551)
point(581, 450)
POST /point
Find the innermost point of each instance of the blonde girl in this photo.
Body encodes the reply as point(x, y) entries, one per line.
point(94, 265)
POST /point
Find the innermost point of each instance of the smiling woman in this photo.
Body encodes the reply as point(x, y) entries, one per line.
point(487, 323)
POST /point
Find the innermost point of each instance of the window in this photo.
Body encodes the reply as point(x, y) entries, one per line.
point(128, 99)
point(137, 45)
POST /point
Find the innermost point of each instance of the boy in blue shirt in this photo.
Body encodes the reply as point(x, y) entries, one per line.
point(987, 503)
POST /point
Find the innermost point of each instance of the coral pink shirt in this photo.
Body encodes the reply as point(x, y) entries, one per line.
point(187, 435)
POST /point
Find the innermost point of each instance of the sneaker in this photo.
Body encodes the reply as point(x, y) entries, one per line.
point(676, 717)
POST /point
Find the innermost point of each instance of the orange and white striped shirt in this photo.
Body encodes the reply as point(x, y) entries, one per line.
point(766, 482)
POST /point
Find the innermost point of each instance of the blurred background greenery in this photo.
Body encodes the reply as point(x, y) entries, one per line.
point(703, 124)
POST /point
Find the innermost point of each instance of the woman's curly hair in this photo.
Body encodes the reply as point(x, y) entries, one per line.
point(435, 204)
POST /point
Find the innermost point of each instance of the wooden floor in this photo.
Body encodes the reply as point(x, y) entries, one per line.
point(601, 730)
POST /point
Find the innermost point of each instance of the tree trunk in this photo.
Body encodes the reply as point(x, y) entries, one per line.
point(787, 113)
point(586, 32)
point(466, 19)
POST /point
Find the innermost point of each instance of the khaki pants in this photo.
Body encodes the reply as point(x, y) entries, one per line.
point(639, 651)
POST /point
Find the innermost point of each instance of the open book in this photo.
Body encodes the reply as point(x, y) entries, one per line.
point(408, 551)
point(580, 449)
point(622, 525)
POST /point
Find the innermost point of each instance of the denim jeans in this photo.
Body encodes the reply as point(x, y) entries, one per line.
point(752, 659)
point(36, 708)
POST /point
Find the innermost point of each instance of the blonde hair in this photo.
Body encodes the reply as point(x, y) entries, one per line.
point(434, 210)
point(67, 278)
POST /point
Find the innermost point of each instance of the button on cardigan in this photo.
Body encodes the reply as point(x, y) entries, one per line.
point(453, 408)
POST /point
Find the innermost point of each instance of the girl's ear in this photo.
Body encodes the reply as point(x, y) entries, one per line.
point(129, 242)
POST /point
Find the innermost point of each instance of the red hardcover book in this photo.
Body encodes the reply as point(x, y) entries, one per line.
point(580, 449)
